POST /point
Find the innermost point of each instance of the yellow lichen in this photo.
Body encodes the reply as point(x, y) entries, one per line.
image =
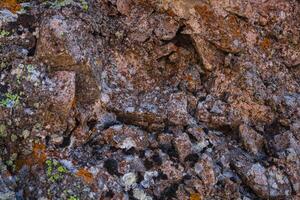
point(11, 5)
point(195, 196)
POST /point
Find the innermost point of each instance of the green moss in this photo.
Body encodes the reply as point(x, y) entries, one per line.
point(61, 169)
point(3, 132)
point(4, 33)
point(10, 100)
point(61, 3)
point(57, 4)
point(73, 198)
point(55, 171)
point(11, 161)
point(84, 5)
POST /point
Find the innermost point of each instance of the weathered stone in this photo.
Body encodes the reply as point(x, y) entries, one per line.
point(167, 27)
point(5, 192)
point(59, 47)
point(123, 6)
point(284, 141)
point(6, 17)
point(6, 189)
point(61, 102)
point(183, 145)
point(129, 180)
point(177, 109)
point(267, 183)
point(254, 175)
point(64, 92)
point(125, 137)
point(173, 172)
point(251, 140)
point(279, 185)
point(180, 99)
point(204, 169)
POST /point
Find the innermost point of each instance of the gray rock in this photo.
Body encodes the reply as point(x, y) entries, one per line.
point(6, 16)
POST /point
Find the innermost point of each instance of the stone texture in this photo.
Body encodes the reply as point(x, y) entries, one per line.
point(251, 140)
point(123, 99)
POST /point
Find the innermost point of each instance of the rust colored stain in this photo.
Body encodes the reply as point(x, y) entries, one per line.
point(195, 196)
point(11, 5)
point(38, 156)
point(265, 43)
point(39, 153)
point(86, 175)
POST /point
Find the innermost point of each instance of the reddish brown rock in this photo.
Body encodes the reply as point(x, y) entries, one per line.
point(62, 101)
point(204, 169)
point(123, 6)
point(177, 109)
point(125, 137)
point(183, 146)
point(251, 140)
point(167, 27)
point(182, 99)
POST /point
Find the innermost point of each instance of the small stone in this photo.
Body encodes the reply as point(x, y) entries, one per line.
point(140, 194)
point(148, 178)
point(251, 140)
point(5, 192)
point(128, 143)
point(25, 134)
point(13, 137)
point(253, 175)
point(167, 28)
point(205, 169)
point(183, 146)
point(123, 6)
point(173, 171)
point(57, 139)
point(177, 109)
point(129, 180)
point(7, 17)
point(3, 132)
point(284, 141)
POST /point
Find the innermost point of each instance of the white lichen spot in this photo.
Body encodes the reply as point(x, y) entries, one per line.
point(105, 98)
point(129, 180)
point(128, 143)
point(148, 178)
point(140, 194)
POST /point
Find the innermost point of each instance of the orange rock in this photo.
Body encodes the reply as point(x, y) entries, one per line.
point(86, 175)
point(39, 153)
point(265, 43)
point(195, 196)
point(11, 5)
point(38, 156)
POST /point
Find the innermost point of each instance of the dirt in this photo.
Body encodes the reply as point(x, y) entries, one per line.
point(124, 99)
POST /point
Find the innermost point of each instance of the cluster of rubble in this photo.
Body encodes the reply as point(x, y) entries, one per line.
point(124, 99)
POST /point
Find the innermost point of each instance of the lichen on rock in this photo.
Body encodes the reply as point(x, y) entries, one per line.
point(124, 99)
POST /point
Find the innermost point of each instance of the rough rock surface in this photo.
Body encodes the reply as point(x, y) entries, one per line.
point(136, 99)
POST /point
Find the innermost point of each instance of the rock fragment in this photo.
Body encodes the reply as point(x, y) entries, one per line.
point(251, 140)
point(177, 109)
point(61, 102)
point(204, 169)
point(129, 180)
point(167, 28)
point(183, 145)
point(266, 182)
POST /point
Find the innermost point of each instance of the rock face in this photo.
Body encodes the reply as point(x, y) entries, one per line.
point(251, 140)
point(124, 99)
point(6, 185)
